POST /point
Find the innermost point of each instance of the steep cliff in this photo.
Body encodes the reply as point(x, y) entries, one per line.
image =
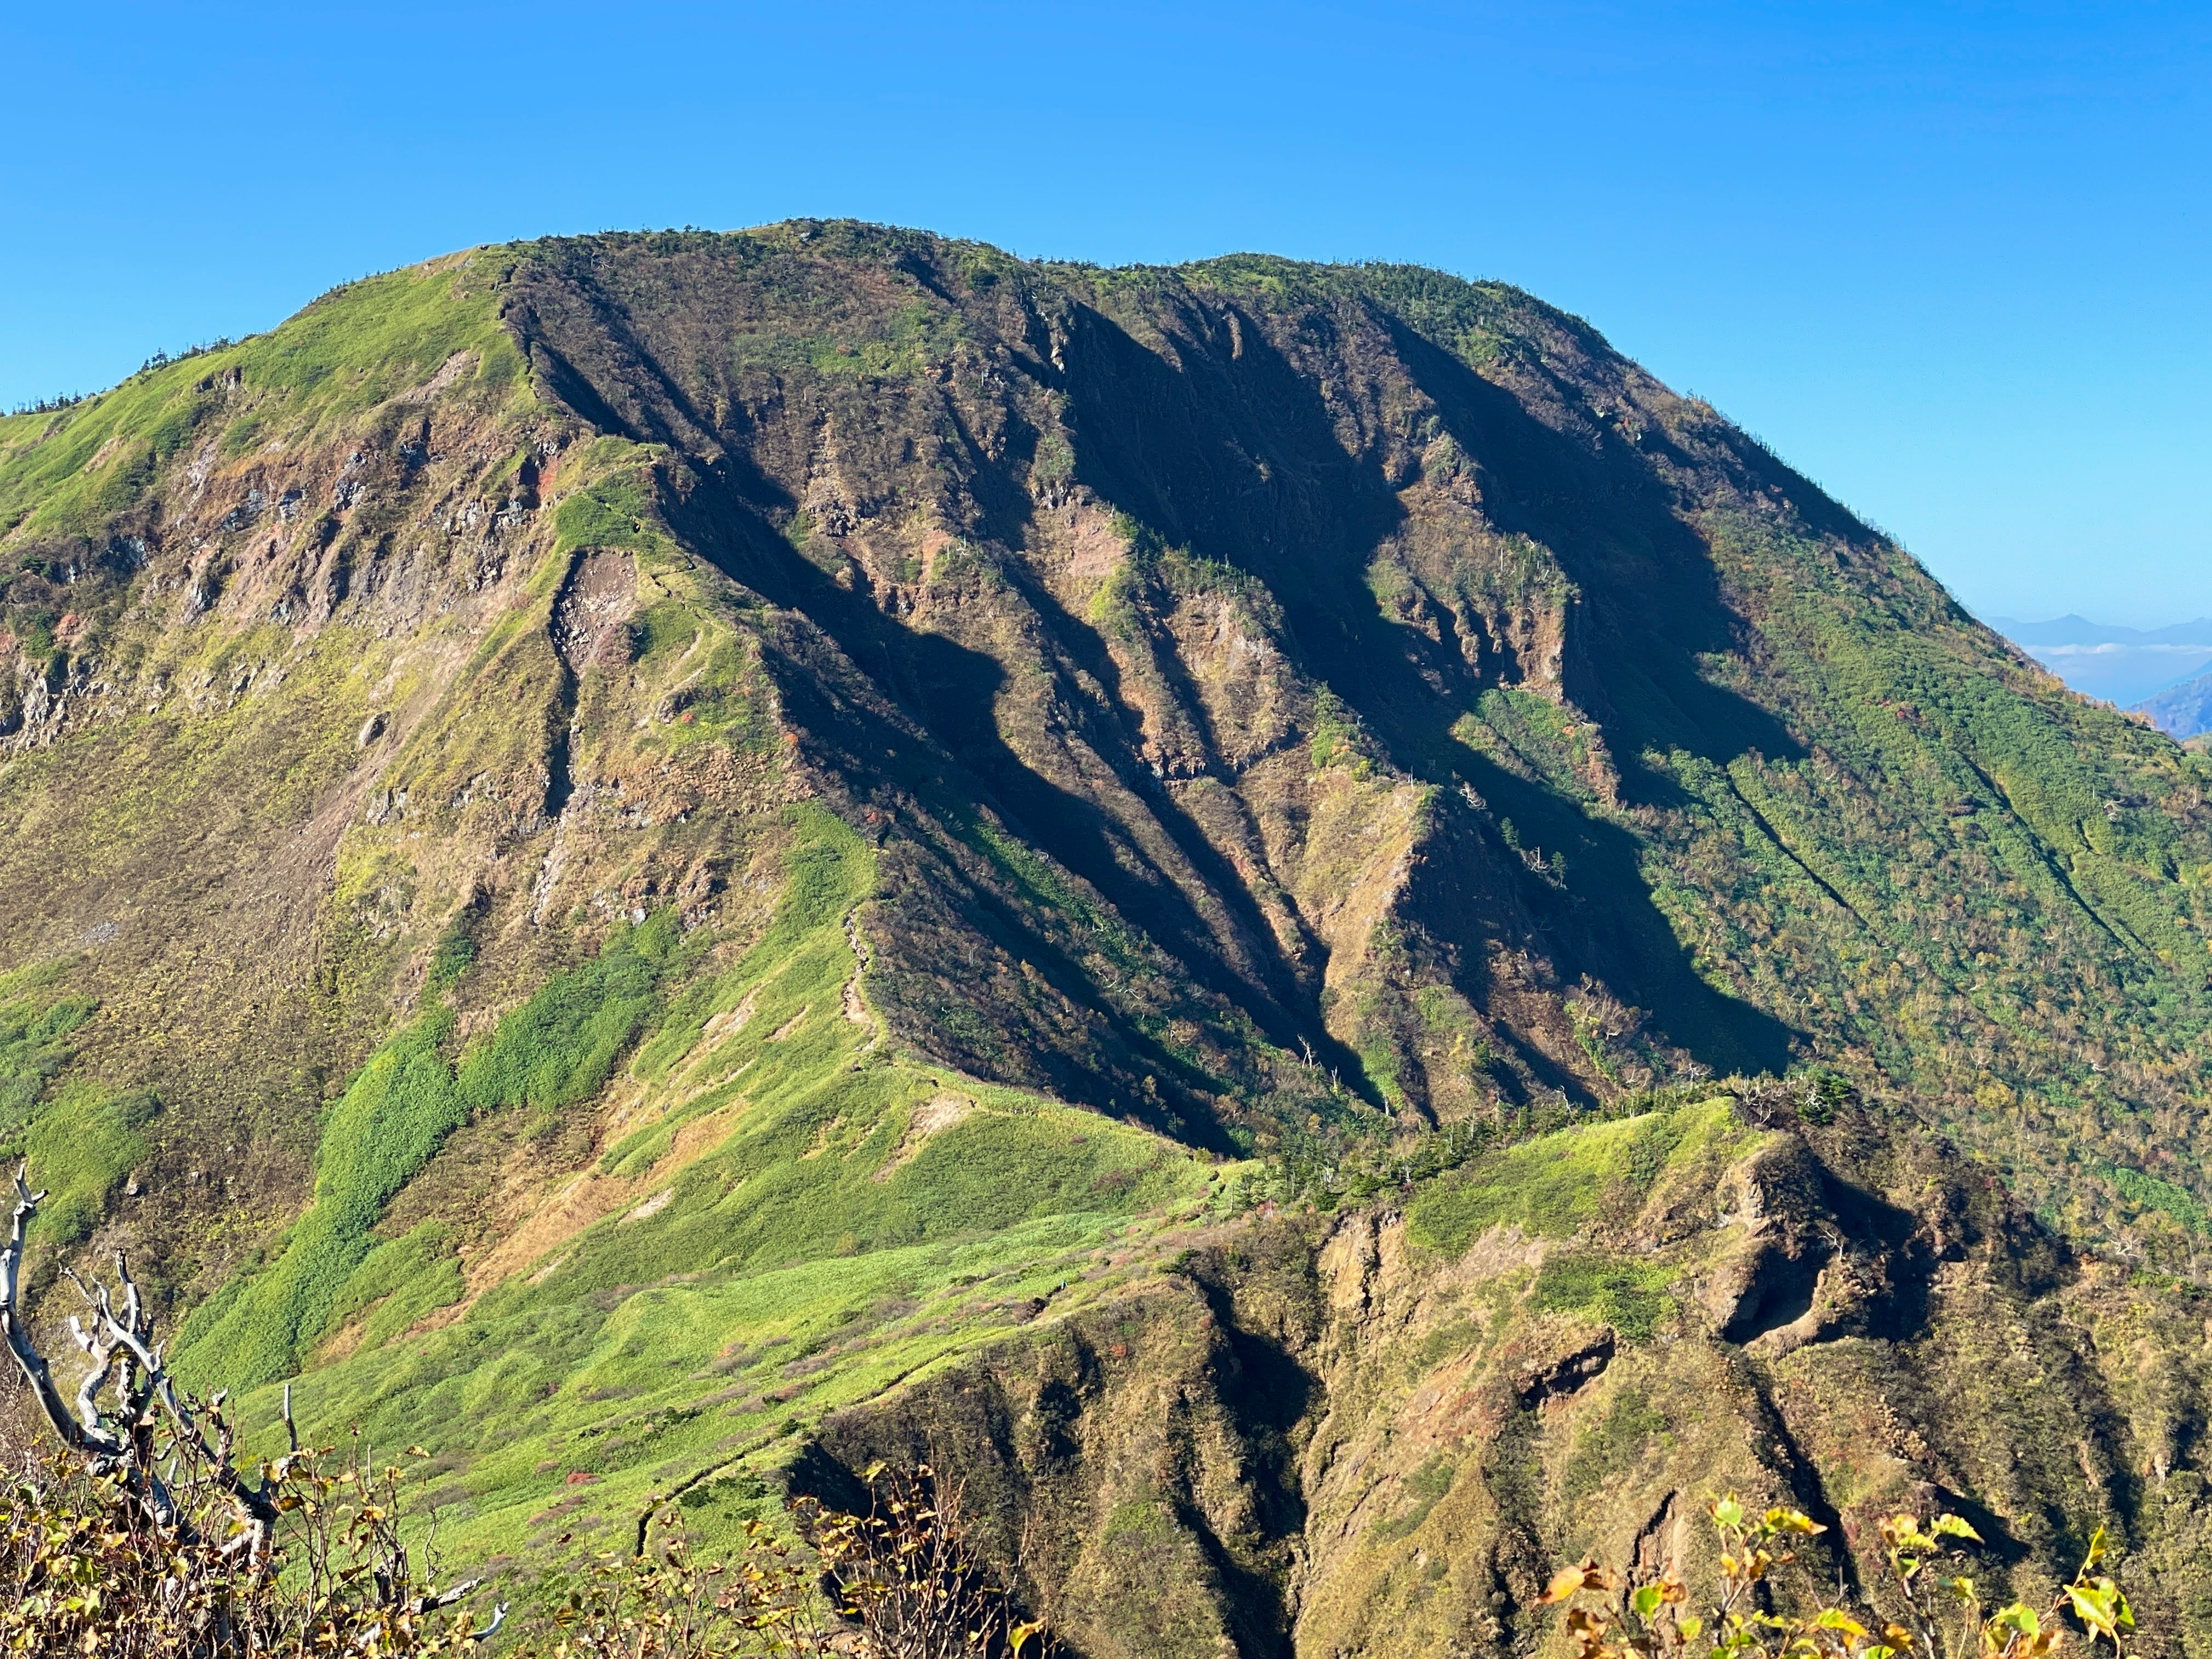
point(1381, 1432)
point(624, 853)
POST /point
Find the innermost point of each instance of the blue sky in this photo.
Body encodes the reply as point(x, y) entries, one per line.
point(1949, 259)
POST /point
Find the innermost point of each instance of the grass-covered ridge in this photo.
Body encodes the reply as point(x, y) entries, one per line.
point(791, 1216)
point(353, 349)
point(1558, 1185)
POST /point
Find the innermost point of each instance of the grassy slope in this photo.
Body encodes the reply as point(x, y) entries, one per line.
point(353, 349)
point(1992, 891)
point(82, 1137)
point(808, 1251)
point(768, 1235)
point(167, 850)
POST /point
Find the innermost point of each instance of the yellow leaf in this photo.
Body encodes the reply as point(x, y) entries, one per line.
point(1565, 1582)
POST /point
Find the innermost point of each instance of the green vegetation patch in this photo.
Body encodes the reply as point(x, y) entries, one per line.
point(2164, 1196)
point(551, 1417)
point(399, 1282)
point(706, 674)
point(835, 1144)
point(86, 1139)
point(1336, 739)
point(1556, 1185)
point(614, 510)
point(1629, 1295)
point(557, 1049)
point(79, 1136)
point(35, 1022)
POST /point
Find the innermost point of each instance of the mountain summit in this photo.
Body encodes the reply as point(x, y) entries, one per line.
point(1286, 908)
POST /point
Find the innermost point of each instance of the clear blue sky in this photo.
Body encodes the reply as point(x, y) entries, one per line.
point(1951, 260)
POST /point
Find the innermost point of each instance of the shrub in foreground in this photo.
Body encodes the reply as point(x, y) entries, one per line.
point(1934, 1607)
point(147, 1536)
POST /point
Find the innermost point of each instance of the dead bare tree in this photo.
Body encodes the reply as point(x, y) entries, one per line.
point(119, 1437)
point(175, 1457)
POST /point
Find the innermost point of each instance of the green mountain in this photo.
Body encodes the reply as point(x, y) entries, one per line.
point(1336, 943)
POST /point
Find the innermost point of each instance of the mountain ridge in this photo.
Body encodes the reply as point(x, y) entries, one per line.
point(2074, 629)
point(2183, 709)
point(642, 846)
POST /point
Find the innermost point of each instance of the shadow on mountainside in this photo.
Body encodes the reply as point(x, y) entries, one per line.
point(606, 374)
point(1231, 450)
point(950, 693)
point(1652, 600)
point(1238, 458)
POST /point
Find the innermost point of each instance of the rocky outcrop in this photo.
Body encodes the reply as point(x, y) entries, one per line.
point(1319, 1437)
point(1334, 719)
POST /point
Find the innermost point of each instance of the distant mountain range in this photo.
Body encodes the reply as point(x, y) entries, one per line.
point(2160, 672)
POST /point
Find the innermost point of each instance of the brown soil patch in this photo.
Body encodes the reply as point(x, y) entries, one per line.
point(547, 1223)
point(930, 1119)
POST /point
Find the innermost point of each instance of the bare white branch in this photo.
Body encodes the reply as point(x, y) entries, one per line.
point(76, 1435)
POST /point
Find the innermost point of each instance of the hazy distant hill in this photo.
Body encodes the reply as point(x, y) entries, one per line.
point(669, 863)
point(2183, 710)
point(2121, 665)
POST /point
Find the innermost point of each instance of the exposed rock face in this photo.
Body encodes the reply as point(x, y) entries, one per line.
point(725, 837)
point(1322, 1438)
point(1114, 574)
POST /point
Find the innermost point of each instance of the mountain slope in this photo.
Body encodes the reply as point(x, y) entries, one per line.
point(1778, 767)
point(2183, 710)
point(619, 845)
point(1381, 1432)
